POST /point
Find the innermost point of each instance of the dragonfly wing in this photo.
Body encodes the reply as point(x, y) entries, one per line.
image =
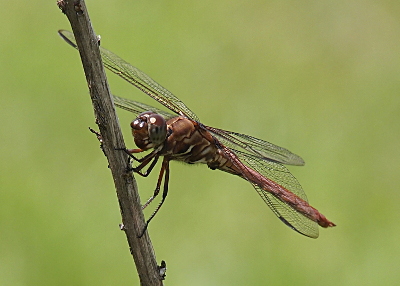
point(281, 175)
point(137, 107)
point(257, 147)
point(137, 78)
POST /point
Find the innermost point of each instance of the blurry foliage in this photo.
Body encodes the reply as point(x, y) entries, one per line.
point(320, 78)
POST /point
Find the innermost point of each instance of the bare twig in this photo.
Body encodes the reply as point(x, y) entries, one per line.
point(128, 197)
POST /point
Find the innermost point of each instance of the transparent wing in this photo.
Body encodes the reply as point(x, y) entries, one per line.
point(259, 148)
point(137, 78)
point(281, 175)
point(137, 107)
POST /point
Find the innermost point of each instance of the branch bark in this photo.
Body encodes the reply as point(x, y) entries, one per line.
point(126, 188)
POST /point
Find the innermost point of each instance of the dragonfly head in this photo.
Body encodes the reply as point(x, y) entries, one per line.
point(149, 130)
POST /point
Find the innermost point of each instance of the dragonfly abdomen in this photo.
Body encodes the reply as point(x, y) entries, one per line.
point(234, 166)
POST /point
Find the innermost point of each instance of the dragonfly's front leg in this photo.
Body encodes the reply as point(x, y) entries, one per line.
point(144, 162)
point(130, 152)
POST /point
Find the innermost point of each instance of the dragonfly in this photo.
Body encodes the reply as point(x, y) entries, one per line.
point(179, 135)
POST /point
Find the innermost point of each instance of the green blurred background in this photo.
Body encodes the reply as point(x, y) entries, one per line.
point(321, 78)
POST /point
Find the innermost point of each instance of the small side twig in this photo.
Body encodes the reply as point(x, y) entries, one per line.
point(111, 137)
point(98, 135)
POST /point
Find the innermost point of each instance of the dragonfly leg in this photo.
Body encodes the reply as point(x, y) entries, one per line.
point(132, 151)
point(157, 189)
point(143, 164)
point(144, 161)
point(164, 169)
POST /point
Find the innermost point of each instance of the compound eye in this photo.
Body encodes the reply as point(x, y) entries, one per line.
point(138, 123)
point(157, 127)
point(141, 121)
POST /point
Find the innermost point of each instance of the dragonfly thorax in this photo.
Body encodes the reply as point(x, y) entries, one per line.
point(149, 130)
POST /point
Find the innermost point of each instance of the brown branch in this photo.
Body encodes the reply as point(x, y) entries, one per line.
point(128, 197)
